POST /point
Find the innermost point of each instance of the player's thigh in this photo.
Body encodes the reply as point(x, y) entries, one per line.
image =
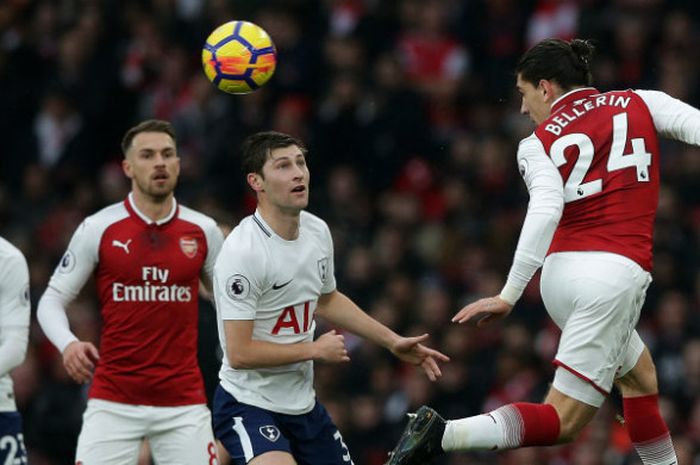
point(274, 457)
point(224, 457)
point(182, 436)
point(247, 432)
point(596, 299)
point(12, 448)
point(111, 433)
point(316, 439)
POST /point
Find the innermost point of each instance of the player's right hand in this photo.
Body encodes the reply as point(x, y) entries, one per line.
point(330, 347)
point(79, 359)
point(488, 310)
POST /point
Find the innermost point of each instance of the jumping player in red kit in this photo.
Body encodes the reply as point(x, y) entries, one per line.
point(148, 254)
point(592, 171)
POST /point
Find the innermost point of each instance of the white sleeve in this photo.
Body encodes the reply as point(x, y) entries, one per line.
point(71, 274)
point(329, 283)
point(14, 312)
point(79, 260)
point(673, 118)
point(545, 186)
point(13, 347)
point(215, 239)
point(239, 278)
point(51, 313)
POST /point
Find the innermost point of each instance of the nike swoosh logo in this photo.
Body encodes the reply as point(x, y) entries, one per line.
point(280, 286)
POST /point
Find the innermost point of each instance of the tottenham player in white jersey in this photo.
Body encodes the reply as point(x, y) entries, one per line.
point(274, 275)
point(148, 254)
point(14, 336)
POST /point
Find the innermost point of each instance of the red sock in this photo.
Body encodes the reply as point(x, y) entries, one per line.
point(647, 430)
point(643, 419)
point(540, 424)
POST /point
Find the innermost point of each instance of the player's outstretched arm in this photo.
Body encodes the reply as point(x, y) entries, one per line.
point(487, 310)
point(341, 311)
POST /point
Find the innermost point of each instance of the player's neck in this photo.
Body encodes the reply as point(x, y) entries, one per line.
point(153, 208)
point(284, 223)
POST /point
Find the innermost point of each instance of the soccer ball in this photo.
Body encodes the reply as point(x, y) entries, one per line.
point(239, 57)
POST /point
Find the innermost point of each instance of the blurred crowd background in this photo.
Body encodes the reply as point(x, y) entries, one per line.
point(409, 111)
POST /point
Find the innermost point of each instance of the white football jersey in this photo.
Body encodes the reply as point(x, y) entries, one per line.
point(260, 276)
point(14, 317)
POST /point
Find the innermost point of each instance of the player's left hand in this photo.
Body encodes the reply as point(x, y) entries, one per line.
point(410, 350)
point(491, 309)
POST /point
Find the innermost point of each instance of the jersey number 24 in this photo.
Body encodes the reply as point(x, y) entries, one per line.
point(575, 188)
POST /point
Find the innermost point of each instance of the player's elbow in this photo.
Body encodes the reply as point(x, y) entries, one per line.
point(238, 359)
point(14, 350)
point(551, 209)
point(20, 356)
point(547, 200)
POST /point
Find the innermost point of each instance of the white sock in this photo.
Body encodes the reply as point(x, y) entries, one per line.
point(655, 452)
point(496, 430)
point(472, 433)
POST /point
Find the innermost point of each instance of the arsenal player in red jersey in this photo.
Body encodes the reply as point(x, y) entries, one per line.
point(592, 171)
point(148, 254)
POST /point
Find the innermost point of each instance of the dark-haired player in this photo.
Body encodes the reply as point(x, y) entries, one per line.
point(592, 171)
point(148, 254)
point(273, 278)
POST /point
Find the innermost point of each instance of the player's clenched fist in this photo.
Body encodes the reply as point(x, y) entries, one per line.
point(330, 347)
point(79, 358)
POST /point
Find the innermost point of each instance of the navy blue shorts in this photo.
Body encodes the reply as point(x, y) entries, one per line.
point(12, 448)
point(247, 431)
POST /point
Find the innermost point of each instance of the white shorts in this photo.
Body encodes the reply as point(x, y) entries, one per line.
point(112, 433)
point(595, 298)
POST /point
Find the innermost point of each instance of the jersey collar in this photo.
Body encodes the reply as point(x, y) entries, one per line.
point(269, 232)
point(572, 95)
point(130, 205)
point(262, 224)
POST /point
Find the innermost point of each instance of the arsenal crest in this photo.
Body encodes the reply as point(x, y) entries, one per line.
point(188, 245)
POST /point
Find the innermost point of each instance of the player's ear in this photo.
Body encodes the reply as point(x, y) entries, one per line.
point(548, 90)
point(126, 167)
point(255, 181)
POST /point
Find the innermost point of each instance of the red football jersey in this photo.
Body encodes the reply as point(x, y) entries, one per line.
point(606, 149)
point(147, 277)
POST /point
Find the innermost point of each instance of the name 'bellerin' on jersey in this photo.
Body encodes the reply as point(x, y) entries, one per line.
point(562, 119)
